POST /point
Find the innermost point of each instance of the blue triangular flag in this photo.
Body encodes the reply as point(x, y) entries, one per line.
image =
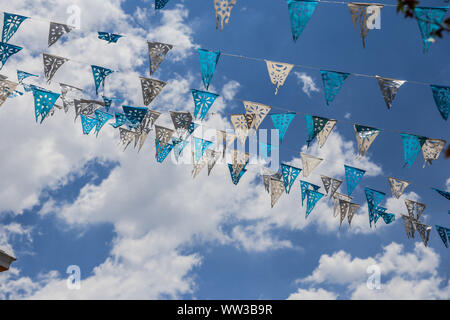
point(200, 147)
point(305, 186)
point(314, 125)
point(179, 145)
point(444, 233)
point(208, 62)
point(6, 51)
point(102, 119)
point(22, 75)
point(443, 193)
point(159, 4)
point(332, 83)
point(110, 37)
point(121, 119)
point(353, 176)
point(135, 114)
point(441, 96)
point(281, 121)
point(162, 152)
point(300, 12)
point(388, 217)
point(43, 102)
point(88, 124)
point(203, 101)
point(11, 22)
point(374, 198)
point(289, 173)
point(429, 20)
point(233, 177)
point(100, 74)
point(312, 197)
point(412, 145)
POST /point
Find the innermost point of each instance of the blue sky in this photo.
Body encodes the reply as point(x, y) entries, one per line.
point(138, 229)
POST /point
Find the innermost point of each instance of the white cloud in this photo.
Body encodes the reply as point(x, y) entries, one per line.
point(313, 294)
point(309, 85)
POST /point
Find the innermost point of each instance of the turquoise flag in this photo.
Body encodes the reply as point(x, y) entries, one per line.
point(314, 125)
point(179, 145)
point(159, 4)
point(374, 198)
point(100, 74)
point(441, 96)
point(162, 152)
point(412, 145)
point(281, 121)
point(23, 75)
point(445, 194)
point(11, 22)
point(312, 197)
point(332, 83)
point(429, 20)
point(289, 173)
point(200, 147)
point(305, 186)
point(6, 51)
point(88, 124)
point(353, 176)
point(208, 62)
point(237, 178)
point(102, 119)
point(135, 114)
point(203, 101)
point(121, 119)
point(44, 101)
point(444, 233)
point(110, 37)
point(300, 12)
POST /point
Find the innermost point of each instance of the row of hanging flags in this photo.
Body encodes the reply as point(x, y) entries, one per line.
point(135, 123)
point(429, 19)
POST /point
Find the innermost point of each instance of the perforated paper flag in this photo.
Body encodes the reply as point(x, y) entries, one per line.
point(120, 118)
point(276, 190)
point(102, 119)
point(88, 124)
point(11, 22)
point(6, 51)
point(312, 197)
point(181, 121)
point(208, 62)
point(44, 101)
point(100, 74)
point(309, 163)
point(361, 14)
point(281, 121)
point(21, 75)
point(320, 127)
point(300, 12)
point(431, 150)
point(6, 89)
point(364, 138)
point(56, 31)
point(259, 112)
point(441, 96)
point(332, 83)
point(150, 89)
point(109, 37)
point(278, 72)
point(157, 52)
point(389, 89)
point(200, 146)
point(236, 177)
point(415, 209)
point(429, 20)
point(443, 193)
point(289, 173)
point(353, 176)
point(203, 101)
point(212, 157)
point(305, 186)
point(397, 186)
point(423, 230)
point(444, 233)
point(223, 11)
point(241, 127)
point(51, 65)
point(412, 145)
point(331, 185)
point(159, 4)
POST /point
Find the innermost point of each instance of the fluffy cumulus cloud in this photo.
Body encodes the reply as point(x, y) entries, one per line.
point(307, 82)
point(392, 274)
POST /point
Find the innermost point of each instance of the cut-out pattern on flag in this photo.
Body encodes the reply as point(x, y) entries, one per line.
point(199, 167)
point(389, 88)
point(163, 151)
point(56, 31)
point(415, 209)
point(364, 138)
point(109, 101)
point(178, 147)
point(11, 22)
point(157, 52)
point(331, 185)
point(259, 112)
point(353, 176)
point(163, 136)
point(200, 146)
point(336, 197)
point(120, 118)
point(6, 89)
point(397, 186)
point(203, 101)
point(431, 150)
point(88, 124)
point(67, 96)
point(445, 194)
point(236, 177)
point(44, 101)
point(21, 75)
point(102, 119)
point(86, 107)
point(353, 207)
point(281, 121)
point(289, 173)
point(100, 74)
point(305, 186)
point(374, 198)
point(312, 197)
point(412, 145)
point(332, 83)
point(360, 14)
point(309, 163)
point(110, 37)
point(208, 62)
point(444, 233)
point(135, 114)
point(343, 209)
point(300, 12)
point(240, 125)
point(148, 122)
point(181, 121)
point(223, 11)
point(159, 4)
point(212, 157)
point(276, 190)
point(429, 20)
point(239, 160)
point(423, 230)
point(51, 65)
point(150, 89)
point(278, 72)
point(320, 127)
point(441, 96)
point(409, 226)
point(6, 51)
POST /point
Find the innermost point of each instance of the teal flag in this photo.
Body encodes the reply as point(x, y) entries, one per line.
point(289, 173)
point(44, 101)
point(332, 83)
point(299, 13)
point(312, 197)
point(208, 62)
point(100, 74)
point(412, 145)
point(102, 119)
point(429, 20)
point(88, 124)
point(353, 176)
point(162, 151)
point(444, 233)
point(11, 22)
point(203, 101)
point(6, 51)
point(200, 147)
point(374, 198)
point(235, 178)
point(441, 97)
point(305, 187)
point(281, 121)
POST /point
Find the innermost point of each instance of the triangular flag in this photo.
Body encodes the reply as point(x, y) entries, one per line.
point(397, 186)
point(6, 51)
point(359, 12)
point(332, 83)
point(88, 124)
point(281, 121)
point(149, 120)
point(365, 137)
point(414, 207)
point(56, 31)
point(225, 139)
point(181, 121)
point(208, 62)
point(431, 150)
point(236, 177)
point(67, 96)
point(102, 119)
point(388, 217)
point(11, 22)
point(312, 197)
point(223, 11)
point(199, 166)
point(178, 147)
point(309, 163)
point(429, 20)
point(320, 127)
point(409, 226)
point(239, 160)
point(240, 125)
point(135, 114)
point(423, 230)
point(305, 186)
point(51, 65)
point(200, 146)
point(351, 212)
point(276, 190)
point(212, 157)
point(445, 194)
point(163, 151)
point(258, 110)
point(278, 72)
point(412, 145)
point(336, 198)
point(157, 52)
point(389, 88)
point(100, 74)
point(331, 185)
point(300, 12)
point(343, 208)
point(353, 176)
point(441, 97)
point(110, 37)
point(21, 75)
point(203, 101)
point(322, 136)
point(162, 136)
point(159, 4)
point(43, 102)
point(120, 118)
point(6, 89)
point(374, 198)
point(150, 89)
point(444, 233)
point(289, 173)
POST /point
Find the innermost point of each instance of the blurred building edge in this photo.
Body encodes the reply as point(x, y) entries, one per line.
point(5, 260)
